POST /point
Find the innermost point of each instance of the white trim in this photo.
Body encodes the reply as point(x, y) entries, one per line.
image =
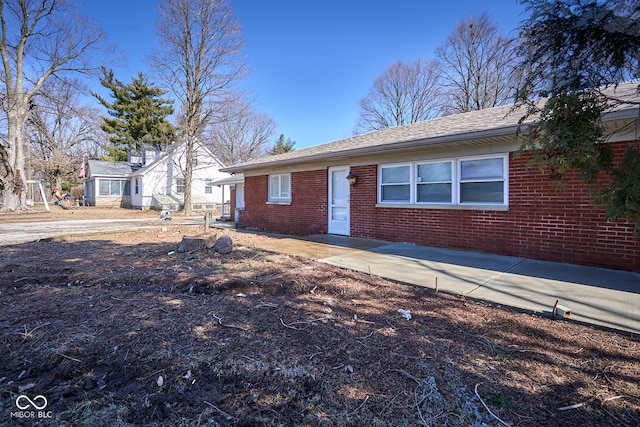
point(279, 198)
point(341, 227)
point(465, 207)
point(456, 182)
point(411, 182)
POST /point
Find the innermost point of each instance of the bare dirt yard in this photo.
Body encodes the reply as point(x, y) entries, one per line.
point(121, 329)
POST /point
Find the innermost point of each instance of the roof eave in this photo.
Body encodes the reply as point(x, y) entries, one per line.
point(440, 141)
point(467, 138)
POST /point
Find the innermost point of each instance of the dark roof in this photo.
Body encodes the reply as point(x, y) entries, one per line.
point(102, 168)
point(457, 129)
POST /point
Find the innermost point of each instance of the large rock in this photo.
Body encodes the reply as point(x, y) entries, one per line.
point(224, 245)
point(194, 243)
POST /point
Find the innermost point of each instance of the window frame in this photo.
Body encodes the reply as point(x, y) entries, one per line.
point(504, 179)
point(280, 197)
point(456, 183)
point(409, 183)
point(181, 185)
point(451, 181)
point(123, 187)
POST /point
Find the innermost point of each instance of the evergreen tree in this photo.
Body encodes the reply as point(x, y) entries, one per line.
point(576, 53)
point(138, 115)
point(281, 146)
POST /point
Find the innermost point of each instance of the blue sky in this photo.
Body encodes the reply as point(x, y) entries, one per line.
point(310, 61)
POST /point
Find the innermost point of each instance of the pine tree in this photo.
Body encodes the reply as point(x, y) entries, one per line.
point(282, 146)
point(138, 115)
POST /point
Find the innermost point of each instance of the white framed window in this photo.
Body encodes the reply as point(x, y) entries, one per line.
point(395, 183)
point(280, 187)
point(180, 185)
point(482, 180)
point(478, 181)
point(114, 187)
point(434, 182)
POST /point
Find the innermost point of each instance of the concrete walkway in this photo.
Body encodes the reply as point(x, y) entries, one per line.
point(603, 297)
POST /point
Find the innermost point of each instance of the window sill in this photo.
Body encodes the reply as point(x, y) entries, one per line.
point(450, 207)
point(279, 203)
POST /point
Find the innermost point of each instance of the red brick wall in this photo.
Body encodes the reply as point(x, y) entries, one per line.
point(307, 213)
point(541, 223)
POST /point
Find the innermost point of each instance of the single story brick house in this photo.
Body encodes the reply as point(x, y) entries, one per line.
point(456, 182)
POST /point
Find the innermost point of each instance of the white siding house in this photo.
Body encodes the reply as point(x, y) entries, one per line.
point(156, 179)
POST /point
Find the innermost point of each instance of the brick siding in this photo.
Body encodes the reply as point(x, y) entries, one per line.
point(306, 214)
point(541, 222)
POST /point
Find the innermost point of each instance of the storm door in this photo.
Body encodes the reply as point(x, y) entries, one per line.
point(339, 196)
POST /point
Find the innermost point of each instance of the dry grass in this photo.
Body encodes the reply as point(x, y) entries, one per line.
point(115, 331)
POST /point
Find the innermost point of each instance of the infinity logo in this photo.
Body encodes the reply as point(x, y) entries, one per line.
point(30, 402)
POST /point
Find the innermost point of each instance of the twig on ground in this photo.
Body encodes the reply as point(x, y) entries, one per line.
point(606, 377)
point(567, 408)
point(229, 417)
point(611, 415)
point(263, 304)
point(364, 338)
point(410, 357)
point(107, 309)
point(28, 334)
point(242, 328)
point(408, 375)
point(288, 326)
point(314, 355)
point(358, 408)
point(70, 358)
point(487, 408)
point(304, 322)
point(422, 384)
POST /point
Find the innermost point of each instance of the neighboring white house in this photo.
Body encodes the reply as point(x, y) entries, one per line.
point(107, 183)
point(155, 178)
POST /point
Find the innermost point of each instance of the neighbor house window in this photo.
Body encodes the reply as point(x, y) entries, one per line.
point(395, 184)
point(114, 187)
point(461, 181)
point(180, 185)
point(137, 186)
point(280, 187)
point(208, 189)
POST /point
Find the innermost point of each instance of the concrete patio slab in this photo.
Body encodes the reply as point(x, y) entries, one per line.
point(598, 296)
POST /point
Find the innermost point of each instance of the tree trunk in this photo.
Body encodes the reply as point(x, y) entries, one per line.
point(188, 175)
point(15, 192)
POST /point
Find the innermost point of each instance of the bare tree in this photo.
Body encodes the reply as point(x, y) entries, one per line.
point(403, 94)
point(60, 129)
point(38, 39)
point(241, 134)
point(200, 60)
point(478, 66)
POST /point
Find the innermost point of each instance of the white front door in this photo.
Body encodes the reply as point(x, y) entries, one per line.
point(339, 196)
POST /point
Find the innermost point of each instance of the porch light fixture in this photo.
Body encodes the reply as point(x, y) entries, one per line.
point(352, 178)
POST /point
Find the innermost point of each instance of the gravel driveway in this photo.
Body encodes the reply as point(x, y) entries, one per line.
point(21, 232)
